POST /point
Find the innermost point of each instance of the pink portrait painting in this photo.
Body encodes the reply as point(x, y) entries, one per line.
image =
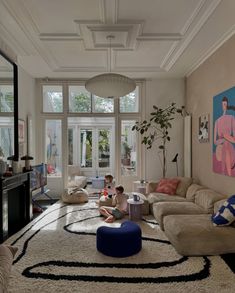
point(224, 133)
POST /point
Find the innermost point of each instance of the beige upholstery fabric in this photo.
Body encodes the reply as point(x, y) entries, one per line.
point(191, 192)
point(206, 199)
point(162, 209)
point(196, 235)
point(75, 195)
point(162, 197)
point(157, 197)
point(6, 257)
point(183, 185)
point(151, 187)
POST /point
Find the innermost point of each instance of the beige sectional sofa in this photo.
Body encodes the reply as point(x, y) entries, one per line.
point(186, 219)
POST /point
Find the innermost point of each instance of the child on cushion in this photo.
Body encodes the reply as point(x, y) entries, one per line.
point(119, 208)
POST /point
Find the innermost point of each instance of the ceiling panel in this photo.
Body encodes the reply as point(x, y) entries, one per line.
point(154, 38)
point(56, 16)
point(159, 16)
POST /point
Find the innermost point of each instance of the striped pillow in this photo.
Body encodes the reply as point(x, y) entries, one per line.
point(167, 186)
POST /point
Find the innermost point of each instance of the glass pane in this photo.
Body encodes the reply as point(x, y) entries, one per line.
point(86, 148)
point(53, 147)
point(52, 98)
point(70, 146)
point(104, 148)
point(6, 98)
point(103, 105)
point(128, 148)
point(130, 103)
point(79, 99)
point(6, 137)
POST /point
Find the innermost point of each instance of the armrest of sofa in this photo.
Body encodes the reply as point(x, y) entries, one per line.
point(151, 186)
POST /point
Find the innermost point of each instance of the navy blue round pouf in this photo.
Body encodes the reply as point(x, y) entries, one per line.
point(119, 242)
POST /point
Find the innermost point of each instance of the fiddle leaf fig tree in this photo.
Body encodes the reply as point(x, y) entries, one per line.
point(155, 130)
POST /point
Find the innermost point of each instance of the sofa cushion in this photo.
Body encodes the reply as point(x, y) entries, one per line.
point(182, 187)
point(206, 199)
point(159, 197)
point(167, 185)
point(191, 192)
point(198, 236)
point(162, 209)
point(226, 213)
point(6, 257)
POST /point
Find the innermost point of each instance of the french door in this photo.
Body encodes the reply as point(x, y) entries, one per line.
point(91, 148)
point(95, 150)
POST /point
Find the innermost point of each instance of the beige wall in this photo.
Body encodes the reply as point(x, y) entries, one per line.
point(215, 75)
point(162, 92)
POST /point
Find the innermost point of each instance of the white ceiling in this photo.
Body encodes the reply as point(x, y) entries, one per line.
point(153, 38)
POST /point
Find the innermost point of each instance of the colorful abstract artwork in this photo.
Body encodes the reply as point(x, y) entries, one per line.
point(224, 133)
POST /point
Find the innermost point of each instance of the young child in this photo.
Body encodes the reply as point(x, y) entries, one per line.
point(108, 181)
point(119, 208)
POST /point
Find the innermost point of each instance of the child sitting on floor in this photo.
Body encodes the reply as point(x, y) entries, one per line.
point(119, 208)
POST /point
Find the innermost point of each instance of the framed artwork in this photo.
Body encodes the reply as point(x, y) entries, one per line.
point(223, 150)
point(203, 131)
point(21, 130)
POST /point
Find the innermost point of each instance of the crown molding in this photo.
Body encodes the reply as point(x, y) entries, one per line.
point(182, 45)
point(209, 52)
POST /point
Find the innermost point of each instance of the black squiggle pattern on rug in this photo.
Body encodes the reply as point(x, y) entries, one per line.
point(27, 272)
point(25, 246)
point(150, 222)
point(66, 228)
point(204, 273)
point(42, 217)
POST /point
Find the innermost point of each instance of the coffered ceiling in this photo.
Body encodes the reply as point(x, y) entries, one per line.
point(152, 38)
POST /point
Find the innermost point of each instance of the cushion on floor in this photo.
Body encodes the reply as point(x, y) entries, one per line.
point(75, 195)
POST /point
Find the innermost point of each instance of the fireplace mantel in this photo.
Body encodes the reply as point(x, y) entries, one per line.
point(15, 204)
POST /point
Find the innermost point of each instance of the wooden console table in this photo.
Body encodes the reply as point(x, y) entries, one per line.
point(15, 204)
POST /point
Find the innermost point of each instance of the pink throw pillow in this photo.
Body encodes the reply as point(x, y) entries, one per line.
point(167, 186)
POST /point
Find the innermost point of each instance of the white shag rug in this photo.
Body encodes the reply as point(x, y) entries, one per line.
point(57, 253)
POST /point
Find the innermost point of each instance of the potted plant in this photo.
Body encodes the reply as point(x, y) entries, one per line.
point(155, 129)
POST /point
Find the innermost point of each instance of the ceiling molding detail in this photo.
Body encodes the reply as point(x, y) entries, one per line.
point(137, 37)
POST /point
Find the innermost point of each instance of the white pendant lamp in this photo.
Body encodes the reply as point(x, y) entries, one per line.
point(110, 85)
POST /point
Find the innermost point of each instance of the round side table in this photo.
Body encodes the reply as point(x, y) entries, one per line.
point(135, 209)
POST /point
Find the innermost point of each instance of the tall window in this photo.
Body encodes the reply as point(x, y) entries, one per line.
point(81, 101)
point(6, 98)
point(52, 98)
point(6, 120)
point(130, 102)
point(53, 147)
point(128, 148)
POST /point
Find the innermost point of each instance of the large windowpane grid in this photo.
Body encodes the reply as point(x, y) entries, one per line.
point(52, 98)
point(104, 148)
point(130, 103)
point(53, 147)
point(103, 105)
point(128, 148)
point(6, 98)
point(86, 148)
point(6, 136)
point(79, 99)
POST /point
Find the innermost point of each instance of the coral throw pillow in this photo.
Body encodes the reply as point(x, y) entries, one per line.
point(167, 186)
